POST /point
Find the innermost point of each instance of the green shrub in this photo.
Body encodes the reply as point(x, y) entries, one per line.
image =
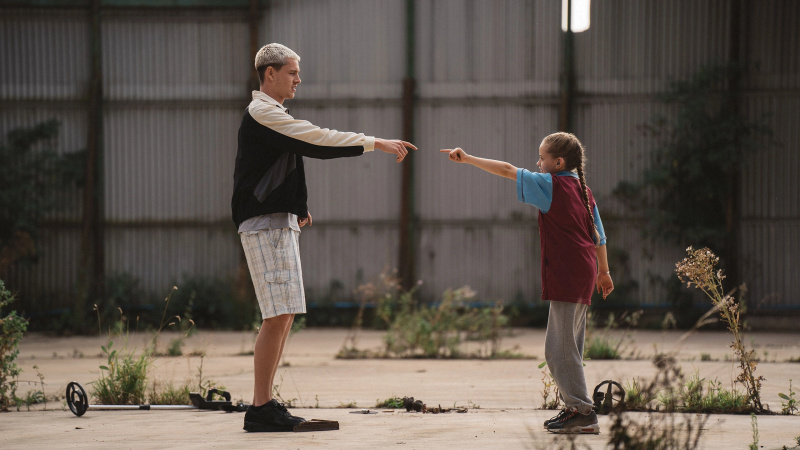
point(211, 303)
point(123, 380)
point(12, 327)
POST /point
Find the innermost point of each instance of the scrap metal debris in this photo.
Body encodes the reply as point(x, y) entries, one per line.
point(417, 405)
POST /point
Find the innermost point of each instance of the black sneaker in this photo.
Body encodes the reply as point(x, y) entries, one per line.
point(271, 416)
point(554, 418)
point(573, 422)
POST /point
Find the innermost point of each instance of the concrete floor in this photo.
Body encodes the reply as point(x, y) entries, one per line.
point(503, 396)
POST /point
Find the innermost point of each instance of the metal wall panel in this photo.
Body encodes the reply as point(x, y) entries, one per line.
point(358, 189)
point(163, 57)
point(44, 56)
point(771, 44)
point(499, 262)
point(346, 256)
point(162, 256)
point(770, 188)
point(449, 191)
point(353, 48)
point(771, 263)
point(635, 47)
point(169, 164)
point(479, 49)
point(488, 80)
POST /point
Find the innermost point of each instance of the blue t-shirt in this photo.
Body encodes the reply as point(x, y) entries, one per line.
point(536, 189)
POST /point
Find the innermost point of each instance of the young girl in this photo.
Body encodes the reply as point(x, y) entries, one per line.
point(574, 261)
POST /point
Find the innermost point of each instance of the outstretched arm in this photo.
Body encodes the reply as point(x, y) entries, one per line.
point(394, 146)
point(499, 168)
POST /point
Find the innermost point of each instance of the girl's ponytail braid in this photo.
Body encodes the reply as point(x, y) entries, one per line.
point(567, 146)
point(585, 196)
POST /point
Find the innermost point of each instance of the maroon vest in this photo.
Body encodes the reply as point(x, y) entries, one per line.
point(569, 261)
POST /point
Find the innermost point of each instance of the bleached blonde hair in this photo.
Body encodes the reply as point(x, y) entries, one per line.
point(274, 55)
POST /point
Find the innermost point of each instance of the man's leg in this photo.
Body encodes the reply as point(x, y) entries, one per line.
point(267, 355)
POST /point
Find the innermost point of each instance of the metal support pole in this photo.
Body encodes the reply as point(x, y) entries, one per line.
point(567, 76)
point(92, 242)
point(407, 264)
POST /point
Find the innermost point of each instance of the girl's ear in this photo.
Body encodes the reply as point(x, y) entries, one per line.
point(559, 162)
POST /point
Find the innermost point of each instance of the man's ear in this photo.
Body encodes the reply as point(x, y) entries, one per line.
point(269, 73)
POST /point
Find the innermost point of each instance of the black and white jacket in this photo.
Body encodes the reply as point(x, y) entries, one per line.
point(269, 176)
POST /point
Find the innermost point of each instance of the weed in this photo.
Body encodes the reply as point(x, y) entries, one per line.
point(12, 327)
point(549, 387)
point(390, 403)
point(352, 404)
point(656, 431)
point(426, 331)
point(169, 394)
point(123, 380)
point(698, 269)
point(603, 346)
point(175, 347)
point(789, 403)
point(705, 357)
point(637, 398)
point(31, 398)
point(437, 331)
point(754, 424)
point(276, 393)
point(713, 399)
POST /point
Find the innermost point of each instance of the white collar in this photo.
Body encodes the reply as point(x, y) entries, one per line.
point(258, 95)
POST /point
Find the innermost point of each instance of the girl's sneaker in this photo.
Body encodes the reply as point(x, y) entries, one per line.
point(573, 422)
point(555, 418)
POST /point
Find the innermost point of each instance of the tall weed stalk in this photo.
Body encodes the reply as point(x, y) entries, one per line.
point(699, 269)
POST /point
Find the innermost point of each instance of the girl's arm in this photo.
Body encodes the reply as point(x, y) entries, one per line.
point(604, 283)
point(492, 166)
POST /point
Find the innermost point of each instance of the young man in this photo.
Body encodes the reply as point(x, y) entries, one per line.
point(269, 208)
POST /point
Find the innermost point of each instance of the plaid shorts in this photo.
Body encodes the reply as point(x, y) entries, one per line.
point(273, 257)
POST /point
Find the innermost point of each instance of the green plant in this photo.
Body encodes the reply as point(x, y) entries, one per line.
point(352, 404)
point(699, 269)
point(754, 424)
point(699, 396)
point(688, 192)
point(438, 331)
point(211, 303)
point(276, 393)
point(788, 402)
point(636, 397)
point(550, 387)
point(603, 345)
point(123, 380)
point(12, 328)
point(390, 403)
point(426, 331)
point(168, 394)
point(656, 431)
point(175, 347)
point(33, 177)
point(33, 397)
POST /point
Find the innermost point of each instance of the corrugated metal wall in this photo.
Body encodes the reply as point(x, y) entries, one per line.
point(176, 82)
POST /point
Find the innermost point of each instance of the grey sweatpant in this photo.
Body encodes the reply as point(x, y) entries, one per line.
point(563, 351)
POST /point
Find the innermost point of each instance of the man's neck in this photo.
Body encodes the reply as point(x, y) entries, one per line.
point(266, 90)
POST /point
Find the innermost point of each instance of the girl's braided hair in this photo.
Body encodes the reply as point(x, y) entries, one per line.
point(567, 146)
